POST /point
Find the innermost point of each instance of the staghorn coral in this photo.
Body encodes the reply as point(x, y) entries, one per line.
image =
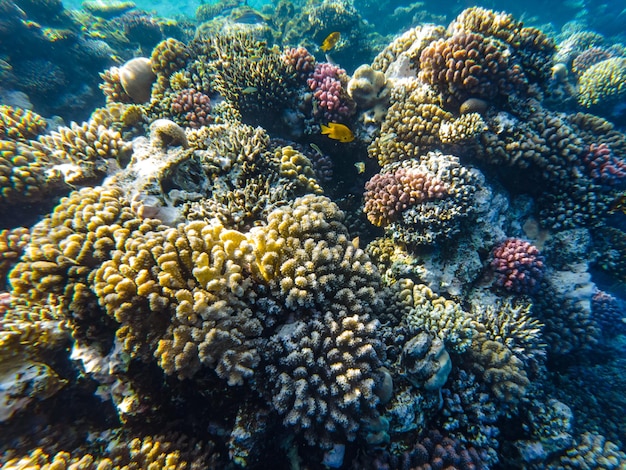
point(19, 124)
point(518, 266)
point(111, 86)
point(254, 79)
point(512, 326)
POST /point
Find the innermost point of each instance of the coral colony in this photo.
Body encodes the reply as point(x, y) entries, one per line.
point(246, 254)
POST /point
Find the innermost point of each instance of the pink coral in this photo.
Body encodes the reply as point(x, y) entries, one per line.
point(518, 266)
point(193, 106)
point(328, 86)
point(301, 60)
point(388, 194)
point(603, 166)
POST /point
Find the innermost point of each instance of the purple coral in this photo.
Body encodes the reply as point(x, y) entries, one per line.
point(608, 312)
point(193, 106)
point(328, 86)
point(518, 266)
point(603, 166)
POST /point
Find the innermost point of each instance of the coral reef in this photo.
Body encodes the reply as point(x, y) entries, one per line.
point(196, 258)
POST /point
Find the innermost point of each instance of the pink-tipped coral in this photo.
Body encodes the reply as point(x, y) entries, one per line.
point(518, 266)
point(301, 60)
point(603, 166)
point(193, 106)
point(328, 85)
point(388, 194)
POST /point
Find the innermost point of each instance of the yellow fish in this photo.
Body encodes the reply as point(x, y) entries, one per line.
point(249, 89)
point(360, 167)
point(331, 41)
point(337, 131)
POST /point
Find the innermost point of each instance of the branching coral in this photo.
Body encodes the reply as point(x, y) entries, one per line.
point(322, 375)
point(422, 200)
point(518, 266)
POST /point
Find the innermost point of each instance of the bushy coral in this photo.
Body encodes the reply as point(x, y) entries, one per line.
point(601, 87)
point(328, 84)
point(518, 266)
point(192, 107)
point(19, 124)
point(608, 312)
point(429, 200)
point(12, 243)
point(603, 165)
point(301, 60)
point(322, 375)
point(470, 65)
point(388, 194)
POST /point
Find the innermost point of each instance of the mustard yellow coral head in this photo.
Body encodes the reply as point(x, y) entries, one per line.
point(137, 77)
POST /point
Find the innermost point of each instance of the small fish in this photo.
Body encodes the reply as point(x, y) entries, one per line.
point(317, 149)
point(331, 41)
point(247, 15)
point(360, 167)
point(255, 58)
point(249, 90)
point(337, 131)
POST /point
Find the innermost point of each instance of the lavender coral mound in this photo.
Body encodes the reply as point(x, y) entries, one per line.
point(518, 266)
